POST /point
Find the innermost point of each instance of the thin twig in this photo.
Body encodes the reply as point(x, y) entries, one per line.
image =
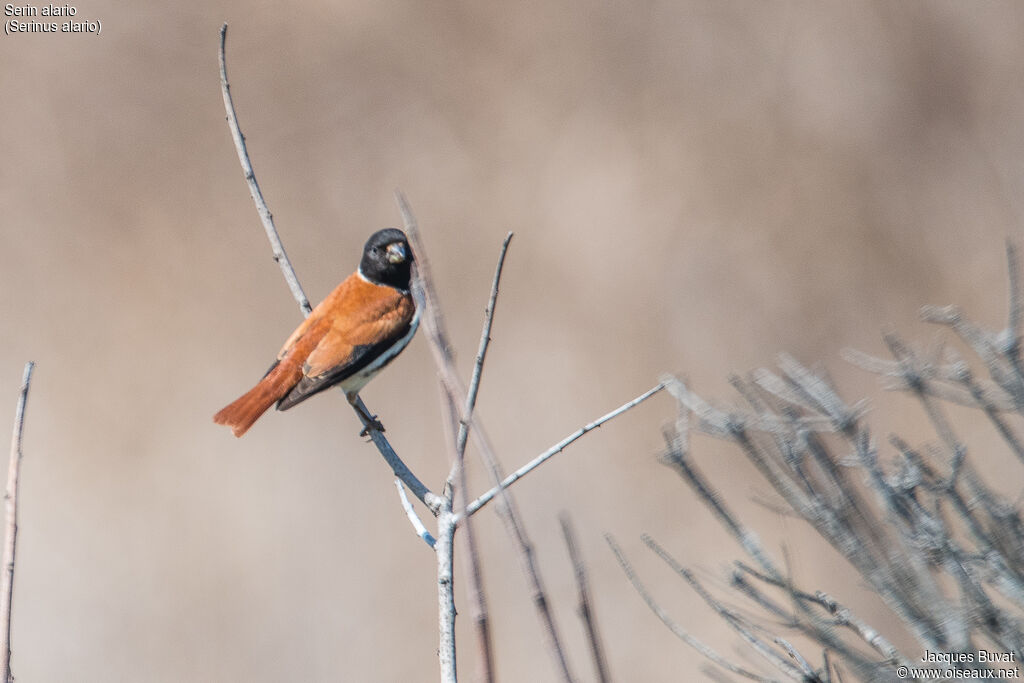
point(472, 566)
point(414, 519)
point(808, 622)
point(843, 615)
point(281, 257)
point(678, 630)
point(731, 618)
point(809, 673)
point(443, 358)
point(1014, 300)
point(455, 494)
point(935, 572)
point(475, 589)
point(512, 521)
point(677, 458)
point(485, 498)
point(982, 400)
point(485, 340)
point(398, 466)
point(1011, 345)
point(585, 608)
point(423, 284)
point(11, 537)
point(474, 575)
point(254, 188)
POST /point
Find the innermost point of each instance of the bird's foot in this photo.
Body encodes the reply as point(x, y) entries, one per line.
point(372, 423)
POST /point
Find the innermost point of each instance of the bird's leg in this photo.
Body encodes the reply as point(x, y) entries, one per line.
point(369, 421)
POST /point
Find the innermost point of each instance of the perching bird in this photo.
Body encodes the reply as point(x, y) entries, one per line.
point(358, 329)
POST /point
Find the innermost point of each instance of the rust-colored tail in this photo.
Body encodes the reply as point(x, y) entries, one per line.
point(241, 414)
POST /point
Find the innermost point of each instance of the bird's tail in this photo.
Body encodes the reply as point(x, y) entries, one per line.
point(242, 413)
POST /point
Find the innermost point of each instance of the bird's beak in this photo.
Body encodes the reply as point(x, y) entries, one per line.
point(396, 252)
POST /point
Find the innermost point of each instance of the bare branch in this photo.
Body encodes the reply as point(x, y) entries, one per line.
point(584, 607)
point(478, 598)
point(809, 673)
point(398, 466)
point(444, 548)
point(677, 458)
point(484, 499)
point(423, 286)
point(414, 519)
point(474, 570)
point(738, 624)
point(936, 543)
point(841, 614)
point(678, 630)
point(1014, 301)
point(254, 188)
point(444, 359)
point(1011, 337)
point(984, 402)
point(481, 354)
point(472, 566)
point(11, 537)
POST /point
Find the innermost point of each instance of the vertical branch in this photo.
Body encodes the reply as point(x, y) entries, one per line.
point(1014, 303)
point(474, 575)
point(471, 557)
point(254, 187)
point(443, 358)
point(585, 609)
point(11, 537)
point(475, 585)
point(445, 550)
point(1011, 341)
point(478, 366)
point(423, 289)
point(447, 520)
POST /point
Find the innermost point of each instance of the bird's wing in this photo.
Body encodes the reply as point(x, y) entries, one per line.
point(364, 323)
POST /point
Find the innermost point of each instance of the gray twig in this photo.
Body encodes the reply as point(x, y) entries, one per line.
point(11, 536)
point(478, 598)
point(486, 497)
point(585, 606)
point(930, 537)
point(444, 359)
point(254, 187)
point(479, 612)
point(672, 625)
point(414, 519)
point(740, 625)
point(478, 366)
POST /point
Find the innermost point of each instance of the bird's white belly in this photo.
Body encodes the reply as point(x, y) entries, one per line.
point(352, 385)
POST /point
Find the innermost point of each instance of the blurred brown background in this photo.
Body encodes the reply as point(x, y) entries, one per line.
point(694, 187)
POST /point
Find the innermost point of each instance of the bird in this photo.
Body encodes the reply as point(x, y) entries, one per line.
point(347, 339)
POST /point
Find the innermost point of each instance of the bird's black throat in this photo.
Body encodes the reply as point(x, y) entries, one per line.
point(375, 265)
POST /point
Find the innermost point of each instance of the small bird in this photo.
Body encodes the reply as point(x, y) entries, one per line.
point(358, 329)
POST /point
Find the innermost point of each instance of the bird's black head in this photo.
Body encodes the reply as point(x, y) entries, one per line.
point(387, 259)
